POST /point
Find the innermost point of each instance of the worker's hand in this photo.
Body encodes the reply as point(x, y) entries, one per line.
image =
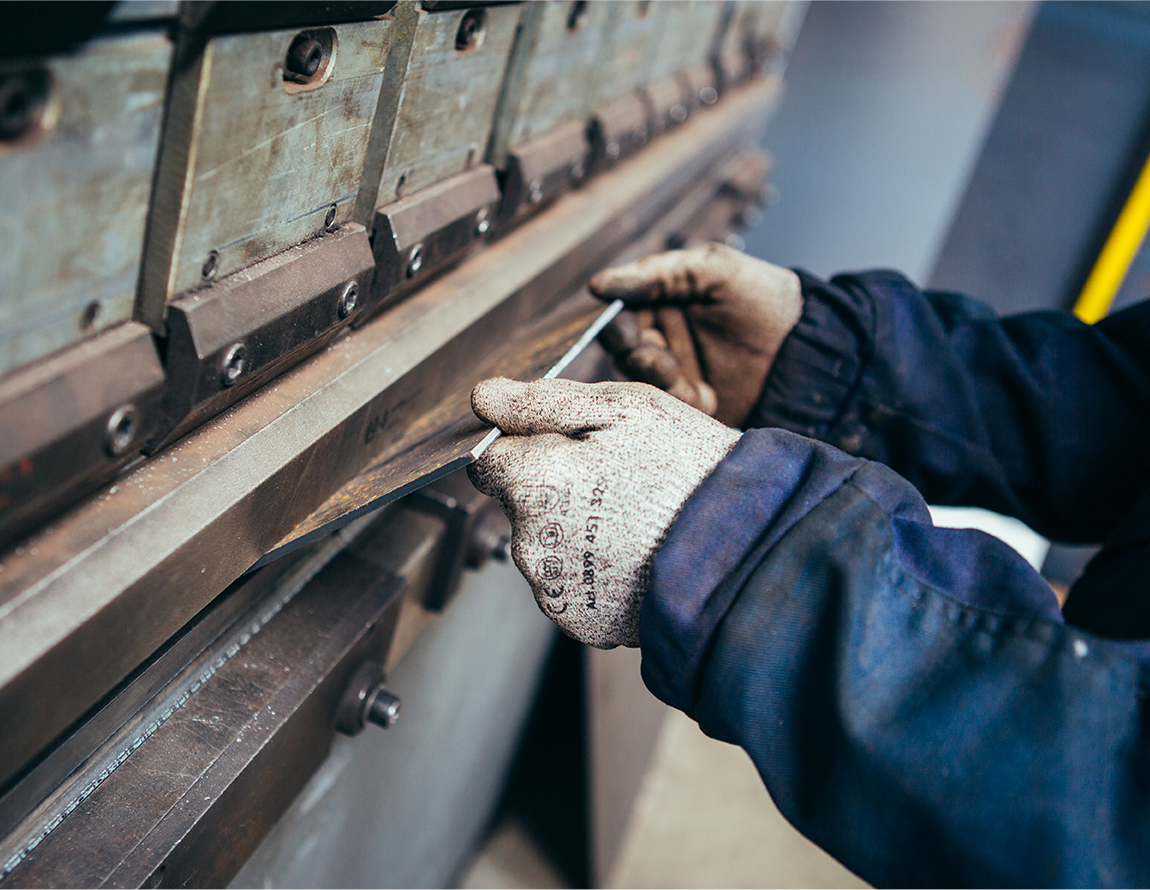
point(591, 477)
point(708, 323)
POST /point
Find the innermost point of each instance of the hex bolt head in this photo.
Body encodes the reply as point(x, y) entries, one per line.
point(329, 220)
point(121, 429)
point(348, 299)
point(234, 364)
point(414, 260)
point(366, 700)
point(211, 265)
point(482, 223)
point(303, 59)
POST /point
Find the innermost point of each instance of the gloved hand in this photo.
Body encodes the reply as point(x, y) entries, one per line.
point(591, 476)
point(719, 318)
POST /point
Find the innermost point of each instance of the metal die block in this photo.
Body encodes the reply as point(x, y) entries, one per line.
point(701, 85)
point(619, 128)
point(669, 101)
point(259, 154)
point(226, 340)
point(414, 237)
point(545, 168)
point(551, 73)
point(78, 143)
point(71, 420)
point(453, 82)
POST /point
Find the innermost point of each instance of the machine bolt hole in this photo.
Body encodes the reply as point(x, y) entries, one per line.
point(469, 37)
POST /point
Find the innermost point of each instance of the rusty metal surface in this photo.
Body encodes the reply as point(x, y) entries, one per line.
point(550, 75)
point(538, 171)
point(90, 597)
point(251, 163)
point(448, 100)
point(71, 421)
point(76, 190)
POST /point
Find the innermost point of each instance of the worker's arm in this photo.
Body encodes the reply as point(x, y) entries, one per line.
point(1037, 416)
point(909, 694)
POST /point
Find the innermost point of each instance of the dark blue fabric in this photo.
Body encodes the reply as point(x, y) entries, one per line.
point(912, 697)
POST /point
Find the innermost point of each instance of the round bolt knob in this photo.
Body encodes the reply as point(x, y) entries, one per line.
point(348, 299)
point(414, 260)
point(382, 707)
point(121, 429)
point(482, 223)
point(234, 364)
point(303, 59)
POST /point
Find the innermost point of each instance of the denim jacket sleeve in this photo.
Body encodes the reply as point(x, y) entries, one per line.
point(910, 694)
point(1037, 416)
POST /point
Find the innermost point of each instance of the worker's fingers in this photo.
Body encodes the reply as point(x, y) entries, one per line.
point(680, 341)
point(510, 466)
point(652, 364)
point(553, 406)
point(621, 334)
point(675, 276)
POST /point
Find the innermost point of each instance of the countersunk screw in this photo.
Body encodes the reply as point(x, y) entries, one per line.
point(414, 260)
point(121, 429)
point(348, 299)
point(211, 265)
point(482, 223)
point(303, 59)
point(329, 220)
point(536, 191)
point(235, 360)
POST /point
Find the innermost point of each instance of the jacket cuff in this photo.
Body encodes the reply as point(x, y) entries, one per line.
point(821, 361)
point(741, 510)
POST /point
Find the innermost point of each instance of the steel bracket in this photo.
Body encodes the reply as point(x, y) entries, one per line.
point(72, 420)
point(542, 169)
point(229, 339)
point(417, 236)
point(619, 128)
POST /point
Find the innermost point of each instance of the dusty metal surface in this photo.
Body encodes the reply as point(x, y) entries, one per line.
point(95, 594)
point(538, 171)
point(76, 183)
point(449, 98)
point(626, 58)
point(71, 421)
point(253, 163)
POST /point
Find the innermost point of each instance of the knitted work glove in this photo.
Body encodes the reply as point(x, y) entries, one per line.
point(708, 324)
point(591, 477)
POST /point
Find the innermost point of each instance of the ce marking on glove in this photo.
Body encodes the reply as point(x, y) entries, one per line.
point(548, 607)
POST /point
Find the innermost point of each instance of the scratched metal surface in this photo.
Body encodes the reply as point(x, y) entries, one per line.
point(626, 56)
point(688, 29)
point(75, 199)
point(554, 67)
point(267, 164)
point(449, 100)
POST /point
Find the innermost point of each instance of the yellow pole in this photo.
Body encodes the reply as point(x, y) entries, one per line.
point(1118, 253)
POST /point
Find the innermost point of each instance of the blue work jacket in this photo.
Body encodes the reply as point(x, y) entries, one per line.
point(912, 696)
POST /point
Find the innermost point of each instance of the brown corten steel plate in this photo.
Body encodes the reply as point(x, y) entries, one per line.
point(87, 599)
